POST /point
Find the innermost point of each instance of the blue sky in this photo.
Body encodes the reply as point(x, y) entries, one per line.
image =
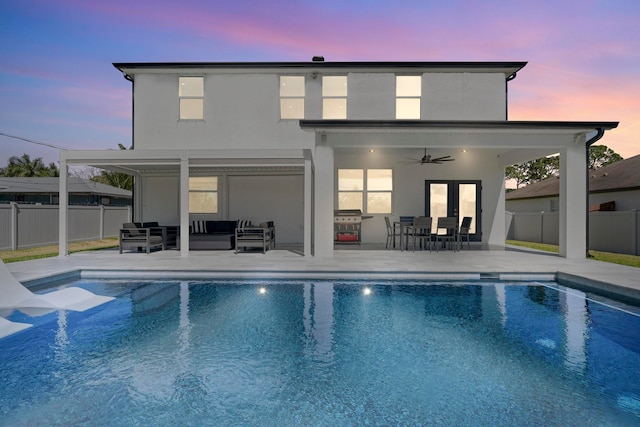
point(58, 85)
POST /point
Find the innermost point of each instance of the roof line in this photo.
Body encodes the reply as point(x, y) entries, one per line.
point(490, 124)
point(315, 64)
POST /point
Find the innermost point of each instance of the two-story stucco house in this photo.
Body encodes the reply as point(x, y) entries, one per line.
point(292, 141)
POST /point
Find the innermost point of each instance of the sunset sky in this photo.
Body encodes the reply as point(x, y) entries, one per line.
point(58, 85)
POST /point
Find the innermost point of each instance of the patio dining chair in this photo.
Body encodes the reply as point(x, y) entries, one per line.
point(449, 238)
point(405, 225)
point(392, 233)
point(421, 232)
point(465, 226)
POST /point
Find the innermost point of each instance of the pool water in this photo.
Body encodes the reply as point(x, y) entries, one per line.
point(326, 353)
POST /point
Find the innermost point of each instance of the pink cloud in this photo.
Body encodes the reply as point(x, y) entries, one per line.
point(550, 93)
point(583, 61)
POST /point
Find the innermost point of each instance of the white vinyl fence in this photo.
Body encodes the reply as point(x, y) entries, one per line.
point(25, 226)
point(617, 231)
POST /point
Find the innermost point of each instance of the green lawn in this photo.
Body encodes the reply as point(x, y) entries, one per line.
point(622, 259)
point(51, 251)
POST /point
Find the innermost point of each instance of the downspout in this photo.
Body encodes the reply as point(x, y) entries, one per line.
point(506, 95)
point(133, 177)
point(589, 143)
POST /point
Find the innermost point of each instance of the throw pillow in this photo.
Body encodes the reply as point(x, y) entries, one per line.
point(244, 223)
point(198, 227)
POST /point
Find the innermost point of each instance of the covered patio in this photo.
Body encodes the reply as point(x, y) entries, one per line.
point(482, 150)
point(171, 205)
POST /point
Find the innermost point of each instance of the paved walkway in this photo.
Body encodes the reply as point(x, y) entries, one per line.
point(354, 263)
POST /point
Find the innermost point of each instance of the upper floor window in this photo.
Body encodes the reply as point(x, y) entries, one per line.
point(191, 94)
point(203, 194)
point(292, 97)
point(334, 97)
point(368, 190)
point(408, 93)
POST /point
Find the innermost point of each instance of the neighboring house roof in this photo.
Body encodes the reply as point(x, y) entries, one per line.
point(623, 175)
point(42, 185)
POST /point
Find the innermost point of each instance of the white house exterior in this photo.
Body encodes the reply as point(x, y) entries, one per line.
point(291, 142)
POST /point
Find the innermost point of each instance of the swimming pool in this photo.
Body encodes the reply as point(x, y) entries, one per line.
point(322, 352)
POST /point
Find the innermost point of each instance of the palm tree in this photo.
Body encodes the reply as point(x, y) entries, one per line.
point(115, 179)
point(25, 167)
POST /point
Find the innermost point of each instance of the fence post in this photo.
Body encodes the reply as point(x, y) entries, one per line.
point(542, 227)
point(634, 231)
point(14, 226)
point(102, 213)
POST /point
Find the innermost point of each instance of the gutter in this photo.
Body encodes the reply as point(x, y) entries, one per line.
point(588, 145)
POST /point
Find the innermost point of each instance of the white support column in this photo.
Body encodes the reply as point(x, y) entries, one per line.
point(308, 206)
point(184, 206)
point(573, 201)
point(323, 206)
point(63, 208)
point(496, 235)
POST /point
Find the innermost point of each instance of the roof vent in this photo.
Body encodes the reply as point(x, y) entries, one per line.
point(318, 59)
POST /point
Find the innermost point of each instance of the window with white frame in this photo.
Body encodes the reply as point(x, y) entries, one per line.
point(368, 190)
point(408, 94)
point(191, 94)
point(334, 97)
point(203, 194)
point(292, 97)
point(379, 187)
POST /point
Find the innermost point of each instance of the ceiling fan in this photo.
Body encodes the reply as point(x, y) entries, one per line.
point(428, 159)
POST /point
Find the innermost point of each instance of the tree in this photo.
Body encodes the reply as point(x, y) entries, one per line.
point(545, 167)
point(25, 167)
point(115, 179)
point(601, 155)
point(533, 171)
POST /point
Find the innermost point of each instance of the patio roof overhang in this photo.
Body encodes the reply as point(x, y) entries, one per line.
point(512, 141)
point(136, 162)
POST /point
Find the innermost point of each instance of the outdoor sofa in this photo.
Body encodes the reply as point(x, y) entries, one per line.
point(210, 235)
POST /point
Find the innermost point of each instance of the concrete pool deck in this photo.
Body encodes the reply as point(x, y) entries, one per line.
point(370, 263)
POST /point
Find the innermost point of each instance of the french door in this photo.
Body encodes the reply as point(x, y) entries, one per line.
point(455, 198)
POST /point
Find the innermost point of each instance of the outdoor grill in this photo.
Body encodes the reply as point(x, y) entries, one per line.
point(347, 226)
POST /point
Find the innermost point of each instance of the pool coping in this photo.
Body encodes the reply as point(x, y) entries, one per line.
point(582, 283)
